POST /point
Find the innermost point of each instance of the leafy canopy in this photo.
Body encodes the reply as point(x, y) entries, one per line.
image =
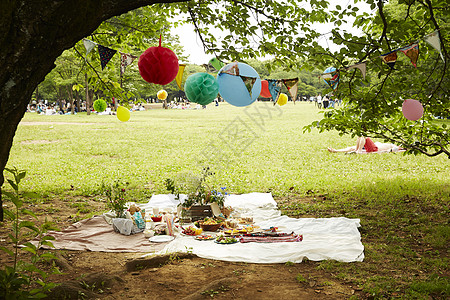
point(286, 31)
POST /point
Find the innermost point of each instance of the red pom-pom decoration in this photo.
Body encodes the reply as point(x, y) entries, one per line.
point(158, 65)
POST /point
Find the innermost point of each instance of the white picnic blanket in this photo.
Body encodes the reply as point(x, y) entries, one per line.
point(323, 238)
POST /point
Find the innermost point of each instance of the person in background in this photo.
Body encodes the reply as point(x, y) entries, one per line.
point(366, 143)
point(332, 100)
point(319, 101)
point(326, 101)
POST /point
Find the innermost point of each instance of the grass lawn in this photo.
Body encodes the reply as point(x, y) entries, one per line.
point(402, 201)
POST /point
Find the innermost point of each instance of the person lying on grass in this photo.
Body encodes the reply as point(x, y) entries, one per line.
point(366, 145)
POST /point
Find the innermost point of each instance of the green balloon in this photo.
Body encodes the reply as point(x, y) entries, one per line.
point(100, 105)
point(201, 88)
point(216, 63)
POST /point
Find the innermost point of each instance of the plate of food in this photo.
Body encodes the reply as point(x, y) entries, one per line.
point(192, 231)
point(232, 232)
point(161, 238)
point(205, 237)
point(226, 240)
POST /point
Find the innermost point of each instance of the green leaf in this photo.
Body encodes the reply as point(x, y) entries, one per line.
point(29, 225)
point(9, 214)
point(29, 212)
point(7, 251)
point(13, 184)
point(20, 176)
point(29, 249)
point(9, 195)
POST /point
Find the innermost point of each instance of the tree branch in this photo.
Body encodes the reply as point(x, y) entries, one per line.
point(385, 25)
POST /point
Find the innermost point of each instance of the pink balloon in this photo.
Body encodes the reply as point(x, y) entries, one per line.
point(412, 109)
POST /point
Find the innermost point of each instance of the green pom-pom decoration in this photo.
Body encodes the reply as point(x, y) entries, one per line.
point(100, 105)
point(201, 88)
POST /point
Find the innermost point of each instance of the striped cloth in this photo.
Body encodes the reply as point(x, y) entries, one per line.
point(271, 238)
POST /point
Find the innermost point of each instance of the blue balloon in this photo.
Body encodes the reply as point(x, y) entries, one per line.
point(232, 88)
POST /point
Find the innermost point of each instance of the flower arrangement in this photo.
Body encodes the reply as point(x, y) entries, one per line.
point(196, 188)
point(218, 196)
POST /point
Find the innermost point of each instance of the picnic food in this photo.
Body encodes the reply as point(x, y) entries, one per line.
point(156, 218)
point(226, 240)
point(232, 231)
point(244, 220)
point(210, 224)
point(205, 237)
point(211, 221)
point(192, 231)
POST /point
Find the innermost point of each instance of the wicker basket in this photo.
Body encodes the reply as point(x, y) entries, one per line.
point(198, 212)
point(212, 227)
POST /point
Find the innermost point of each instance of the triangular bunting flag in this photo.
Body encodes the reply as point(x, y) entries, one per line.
point(231, 69)
point(105, 54)
point(361, 66)
point(412, 51)
point(248, 81)
point(292, 86)
point(274, 88)
point(390, 58)
point(209, 68)
point(331, 78)
point(125, 60)
point(433, 40)
point(89, 45)
point(179, 77)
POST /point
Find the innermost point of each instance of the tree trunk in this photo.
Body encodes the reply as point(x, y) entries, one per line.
point(87, 94)
point(89, 101)
point(32, 35)
point(77, 99)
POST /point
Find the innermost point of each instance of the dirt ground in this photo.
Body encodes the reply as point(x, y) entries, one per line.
point(100, 275)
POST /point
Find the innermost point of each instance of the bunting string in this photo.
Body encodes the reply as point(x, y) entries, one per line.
point(107, 53)
point(390, 58)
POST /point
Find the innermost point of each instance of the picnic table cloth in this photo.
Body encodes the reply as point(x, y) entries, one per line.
point(323, 238)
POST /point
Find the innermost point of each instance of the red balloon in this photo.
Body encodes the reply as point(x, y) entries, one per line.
point(158, 65)
point(265, 93)
point(412, 109)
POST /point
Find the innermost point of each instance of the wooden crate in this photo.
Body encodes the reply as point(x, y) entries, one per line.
point(198, 212)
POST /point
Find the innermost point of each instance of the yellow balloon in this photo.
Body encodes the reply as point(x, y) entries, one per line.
point(162, 95)
point(282, 99)
point(123, 114)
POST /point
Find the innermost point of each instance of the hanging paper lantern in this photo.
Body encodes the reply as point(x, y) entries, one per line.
point(162, 95)
point(233, 89)
point(158, 65)
point(265, 93)
point(100, 105)
point(412, 109)
point(201, 88)
point(123, 114)
point(217, 64)
point(282, 99)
